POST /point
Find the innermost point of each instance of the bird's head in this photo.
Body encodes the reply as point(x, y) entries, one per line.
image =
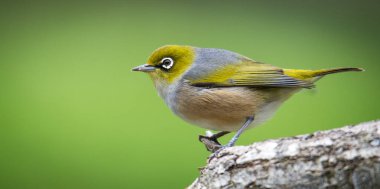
point(168, 63)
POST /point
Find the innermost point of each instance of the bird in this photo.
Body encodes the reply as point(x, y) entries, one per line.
point(222, 90)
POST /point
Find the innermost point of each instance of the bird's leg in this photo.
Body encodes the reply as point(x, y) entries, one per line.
point(218, 135)
point(211, 142)
point(235, 137)
point(240, 131)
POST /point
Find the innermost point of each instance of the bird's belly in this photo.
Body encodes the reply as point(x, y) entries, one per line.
point(224, 109)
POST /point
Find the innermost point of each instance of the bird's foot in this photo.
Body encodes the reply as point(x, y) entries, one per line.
point(218, 151)
point(211, 140)
point(211, 143)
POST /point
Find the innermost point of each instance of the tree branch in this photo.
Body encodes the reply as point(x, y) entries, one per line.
point(347, 157)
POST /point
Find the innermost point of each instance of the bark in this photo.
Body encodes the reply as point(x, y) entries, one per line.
point(347, 157)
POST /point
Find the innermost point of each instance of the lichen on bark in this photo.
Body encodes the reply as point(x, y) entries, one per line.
point(347, 157)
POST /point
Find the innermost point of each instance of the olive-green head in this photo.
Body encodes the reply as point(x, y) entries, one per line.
point(168, 63)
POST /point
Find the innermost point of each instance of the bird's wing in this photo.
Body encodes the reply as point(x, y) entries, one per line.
point(250, 73)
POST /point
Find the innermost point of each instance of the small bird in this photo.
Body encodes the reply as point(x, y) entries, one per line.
point(222, 90)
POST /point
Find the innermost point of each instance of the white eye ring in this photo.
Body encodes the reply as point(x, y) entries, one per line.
point(167, 63)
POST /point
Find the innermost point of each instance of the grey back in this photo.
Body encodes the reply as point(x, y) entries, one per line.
point(207, 60)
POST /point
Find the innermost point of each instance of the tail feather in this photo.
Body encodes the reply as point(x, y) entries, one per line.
point(336, 70)
point(314, 75)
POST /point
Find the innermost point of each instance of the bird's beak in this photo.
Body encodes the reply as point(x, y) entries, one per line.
point(144, 68)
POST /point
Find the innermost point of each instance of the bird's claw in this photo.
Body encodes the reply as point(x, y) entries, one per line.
point(216, 153)
point(211, 143)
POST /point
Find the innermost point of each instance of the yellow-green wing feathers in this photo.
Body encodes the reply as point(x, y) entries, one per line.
point(251, 74)
point(264, 75)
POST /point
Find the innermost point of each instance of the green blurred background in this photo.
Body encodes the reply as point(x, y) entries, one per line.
point(73, 115)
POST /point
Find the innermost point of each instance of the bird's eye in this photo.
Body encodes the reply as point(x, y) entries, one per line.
point(167, 63)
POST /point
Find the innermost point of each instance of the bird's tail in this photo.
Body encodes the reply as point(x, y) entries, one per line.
point(313, 75)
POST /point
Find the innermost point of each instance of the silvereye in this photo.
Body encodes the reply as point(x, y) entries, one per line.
point(221, 90)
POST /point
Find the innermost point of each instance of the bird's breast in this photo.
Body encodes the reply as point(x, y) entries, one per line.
point(224, 109)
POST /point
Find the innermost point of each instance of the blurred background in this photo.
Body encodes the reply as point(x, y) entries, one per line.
point(73, 115)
